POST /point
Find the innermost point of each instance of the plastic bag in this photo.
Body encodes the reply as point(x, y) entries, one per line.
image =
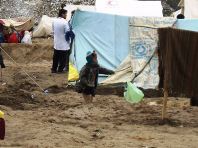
point(73, 73)
point(133, 94)
point(27, 38)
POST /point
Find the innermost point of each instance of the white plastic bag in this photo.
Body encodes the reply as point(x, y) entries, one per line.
point(27, 38)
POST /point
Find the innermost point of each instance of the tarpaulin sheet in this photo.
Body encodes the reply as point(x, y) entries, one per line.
point(122, 74)
point(191, 8)
point(187, 24)
point(19, 24)
point(107, 34)
point(178, 61)
point(143, 43)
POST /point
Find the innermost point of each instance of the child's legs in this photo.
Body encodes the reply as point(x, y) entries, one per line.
point(87, 98)
point(88, 94)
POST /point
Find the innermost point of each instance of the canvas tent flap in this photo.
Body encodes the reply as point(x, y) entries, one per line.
point(44, 28)
point(122, 74)
point(19, 23)
point(107, 34)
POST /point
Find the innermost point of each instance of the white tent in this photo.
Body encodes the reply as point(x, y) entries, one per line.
point(70, 8)
point(119, 7)
point(189, 8)
point(44, 28)
point(130, 7)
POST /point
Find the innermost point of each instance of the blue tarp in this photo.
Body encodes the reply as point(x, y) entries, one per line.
point(187, 24)
point(107, 34)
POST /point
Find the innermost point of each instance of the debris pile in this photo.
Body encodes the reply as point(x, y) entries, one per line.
point(36, 8)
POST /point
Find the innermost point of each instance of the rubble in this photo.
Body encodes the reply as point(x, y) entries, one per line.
point(35, 8)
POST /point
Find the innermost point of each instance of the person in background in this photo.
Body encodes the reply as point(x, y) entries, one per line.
point(2, 40)
point(89, 76)
point(69, 36)
point(180, 16)
point(2, 65)
point(14, 36)
point(61, 46)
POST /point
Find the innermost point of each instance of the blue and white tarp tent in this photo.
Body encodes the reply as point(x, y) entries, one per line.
point(143, 44)
point(130, 41)
point(104, 33)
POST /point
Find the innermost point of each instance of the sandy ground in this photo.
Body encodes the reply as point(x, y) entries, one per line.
point(61, 119)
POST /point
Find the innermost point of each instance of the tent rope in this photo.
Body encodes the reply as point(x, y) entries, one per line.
point(23, 70)
point(137, 74)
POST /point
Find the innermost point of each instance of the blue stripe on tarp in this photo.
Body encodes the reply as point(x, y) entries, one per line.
point(187, 24)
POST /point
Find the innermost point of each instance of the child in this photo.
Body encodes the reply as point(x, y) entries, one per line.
point(89, 76)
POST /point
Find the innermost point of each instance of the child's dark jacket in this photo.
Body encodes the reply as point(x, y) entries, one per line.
point(89, 74)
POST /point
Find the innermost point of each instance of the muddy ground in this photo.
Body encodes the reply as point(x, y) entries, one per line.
point(61, 119)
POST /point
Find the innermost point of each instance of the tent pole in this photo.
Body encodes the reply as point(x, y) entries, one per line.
point(1, 80)
point(165, 100)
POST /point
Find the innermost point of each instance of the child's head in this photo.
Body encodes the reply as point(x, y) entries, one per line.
point(180, 16)
point(95, 59)
point(91, 57)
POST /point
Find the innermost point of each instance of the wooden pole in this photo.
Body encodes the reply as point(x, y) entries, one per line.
point(1, 80)
point(165, 100)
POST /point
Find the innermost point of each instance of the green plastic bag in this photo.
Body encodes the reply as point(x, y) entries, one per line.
point(133, 94)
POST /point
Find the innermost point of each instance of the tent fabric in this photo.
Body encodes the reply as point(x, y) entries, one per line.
point(143, 43)
point(19, 24)
point(44, 28)
point(130, 7)
point(178, 61)
point(106, 34)
point(187, 24)
point(122, 74)
point(125, 71)
point(181, 3)
point(191, 8)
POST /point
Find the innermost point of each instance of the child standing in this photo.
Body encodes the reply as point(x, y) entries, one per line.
point(89, 76)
